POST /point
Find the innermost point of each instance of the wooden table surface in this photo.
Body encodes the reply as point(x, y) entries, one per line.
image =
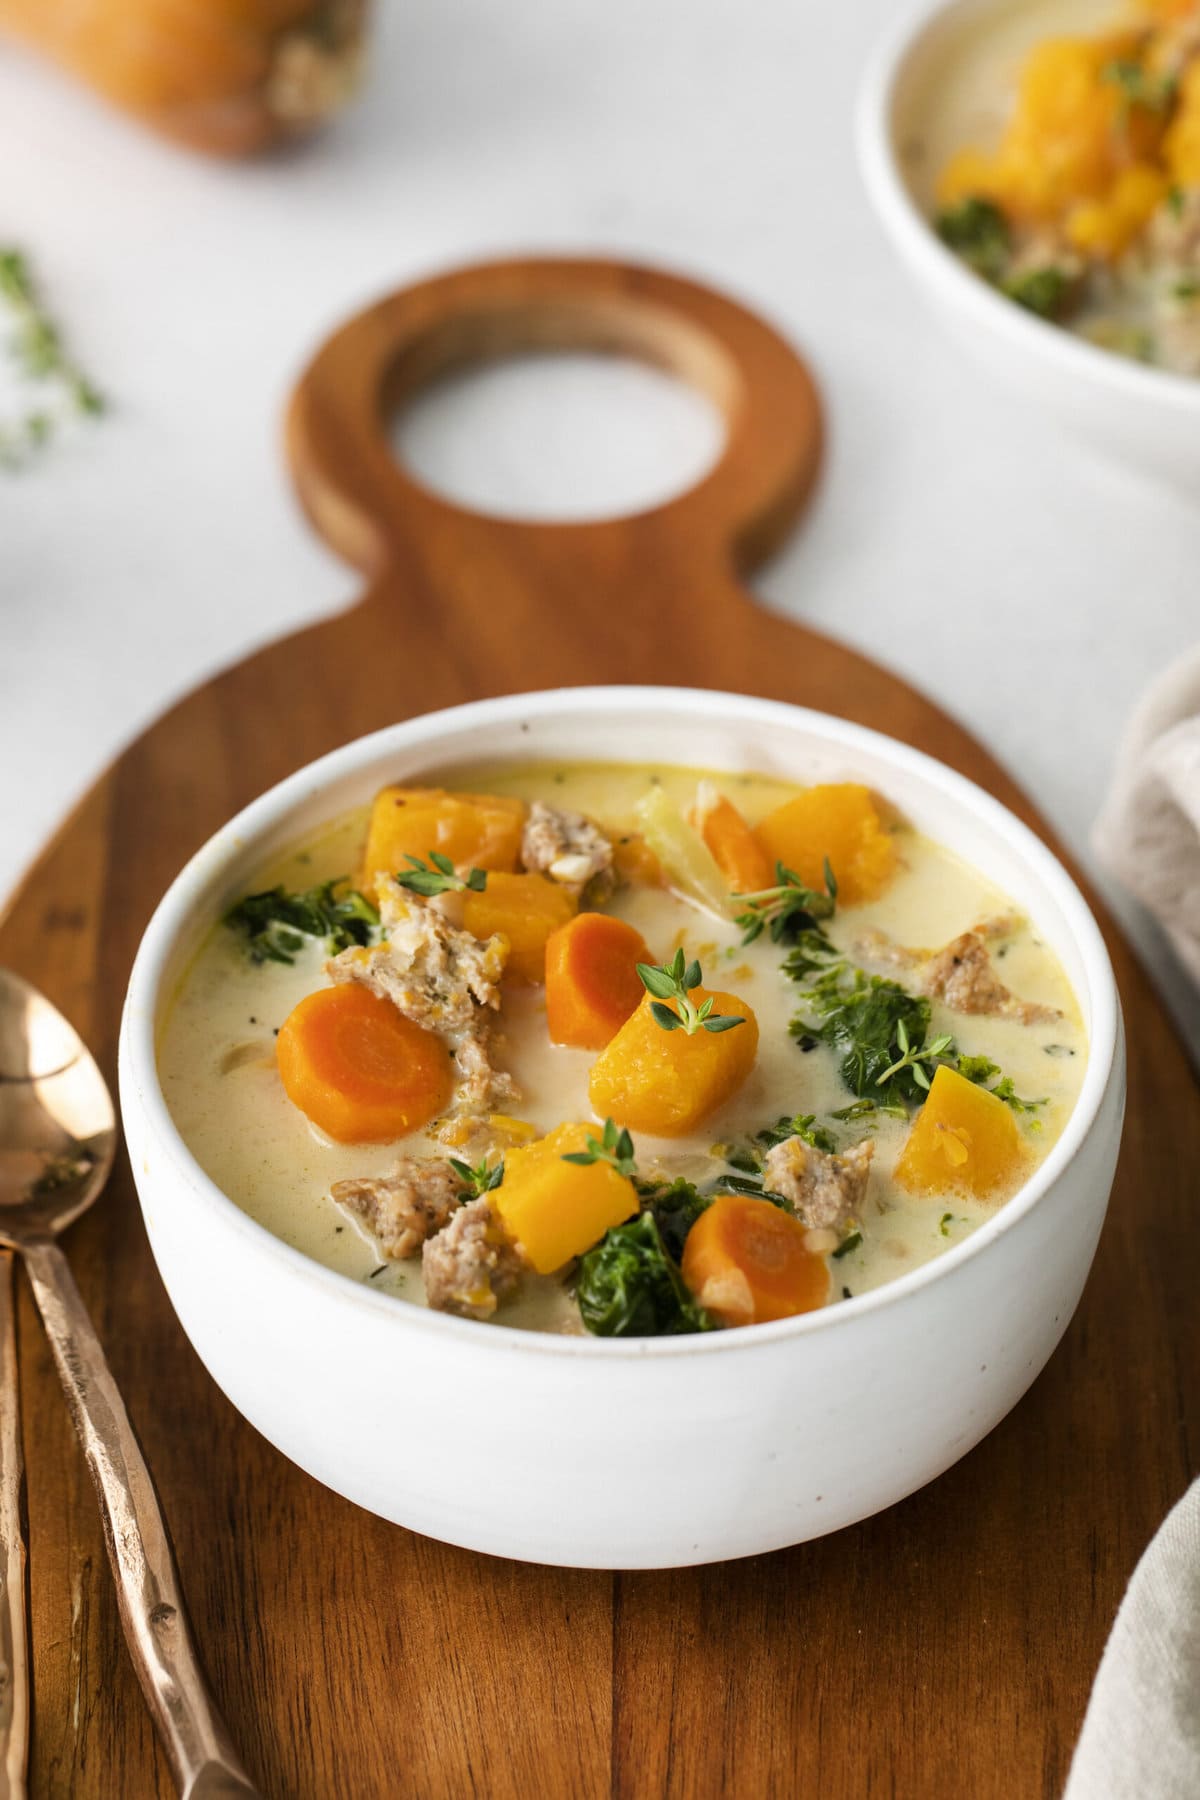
point(944, 1648)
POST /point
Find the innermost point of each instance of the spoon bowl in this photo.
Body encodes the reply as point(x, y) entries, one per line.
point(58, 1129)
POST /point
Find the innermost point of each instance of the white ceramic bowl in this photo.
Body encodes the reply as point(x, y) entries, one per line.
point(638, 1453)
point(1144, 416)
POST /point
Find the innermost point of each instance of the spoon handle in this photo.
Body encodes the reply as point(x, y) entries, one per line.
point(149, 1591)
point(14, 1624)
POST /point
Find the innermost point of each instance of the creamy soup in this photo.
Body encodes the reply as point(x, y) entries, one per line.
point(905, 1081)
point(1062, 163)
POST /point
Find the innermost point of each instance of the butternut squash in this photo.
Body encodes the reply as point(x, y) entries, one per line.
point(554, 1209)
point(1076, 151)
point(964, 1141)
point(226, 76)
point(1181, 146)
point(667, 1082)
point(477, 830)
point(526, 909)
point(839, 821)
point(635, 862)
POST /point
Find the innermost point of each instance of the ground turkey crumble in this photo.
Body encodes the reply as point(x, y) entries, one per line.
point(824, 1189)
point(961, 974)
point(568, 847)
point(401, 1208)
point(443, 979)
point(471, 1265)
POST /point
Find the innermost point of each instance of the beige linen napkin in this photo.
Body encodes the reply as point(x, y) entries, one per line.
point(1141, 1736)
point(1148, 832)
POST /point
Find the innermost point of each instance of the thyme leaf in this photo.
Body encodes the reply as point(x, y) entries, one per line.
point(675, 981)
point(439, 876)
point(787, 908)
point(477, 1178)
point(915, 1057)
point(612, 1147)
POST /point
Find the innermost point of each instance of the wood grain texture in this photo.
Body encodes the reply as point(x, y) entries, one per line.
point(944, 1648)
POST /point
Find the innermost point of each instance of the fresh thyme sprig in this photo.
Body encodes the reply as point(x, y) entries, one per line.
point(675, 981)
point(438, 876)
point(787, 908)
point(479, 1178)
point(37, 350)
point(612, 1147)
point(916, 1056)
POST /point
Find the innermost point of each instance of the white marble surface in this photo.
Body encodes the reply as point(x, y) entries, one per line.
point(1028, 588)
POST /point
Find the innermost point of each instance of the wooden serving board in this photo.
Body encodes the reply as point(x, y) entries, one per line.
point(945, 1648)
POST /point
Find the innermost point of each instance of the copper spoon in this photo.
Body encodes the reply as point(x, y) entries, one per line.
point(57, 1138)
point(14, 1621)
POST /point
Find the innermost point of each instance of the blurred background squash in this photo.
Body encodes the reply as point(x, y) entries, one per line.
point(226, 76)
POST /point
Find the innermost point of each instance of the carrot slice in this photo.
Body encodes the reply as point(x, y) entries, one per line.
point(734, 847)
point(358, 1068)
point(746, 1261)
point(592, 983)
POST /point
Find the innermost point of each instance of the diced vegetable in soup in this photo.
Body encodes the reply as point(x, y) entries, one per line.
point(623, 1050)
point(1084, 205)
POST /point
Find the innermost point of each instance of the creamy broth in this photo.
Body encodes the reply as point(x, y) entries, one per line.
point(219, 1075)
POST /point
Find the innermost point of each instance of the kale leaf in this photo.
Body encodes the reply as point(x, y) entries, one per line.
point(629, 1286)
point(977, 231)
point(676, 1206)
point(277, 923)
point(862, 1019)
point(1043, 291)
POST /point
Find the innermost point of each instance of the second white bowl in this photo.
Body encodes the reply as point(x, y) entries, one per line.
point(1145, 417)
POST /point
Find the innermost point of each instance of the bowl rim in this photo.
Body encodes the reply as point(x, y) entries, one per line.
point(912, 233)
point(138, 1073)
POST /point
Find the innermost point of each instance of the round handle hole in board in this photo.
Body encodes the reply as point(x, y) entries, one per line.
point(559, 435)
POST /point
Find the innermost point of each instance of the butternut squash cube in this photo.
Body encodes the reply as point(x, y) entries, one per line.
point(635, 862)
point(838, 820)
point(554, 1209)
point(964, 1141)
point(482, 831)
point(666, 1082)
point(526, 909)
